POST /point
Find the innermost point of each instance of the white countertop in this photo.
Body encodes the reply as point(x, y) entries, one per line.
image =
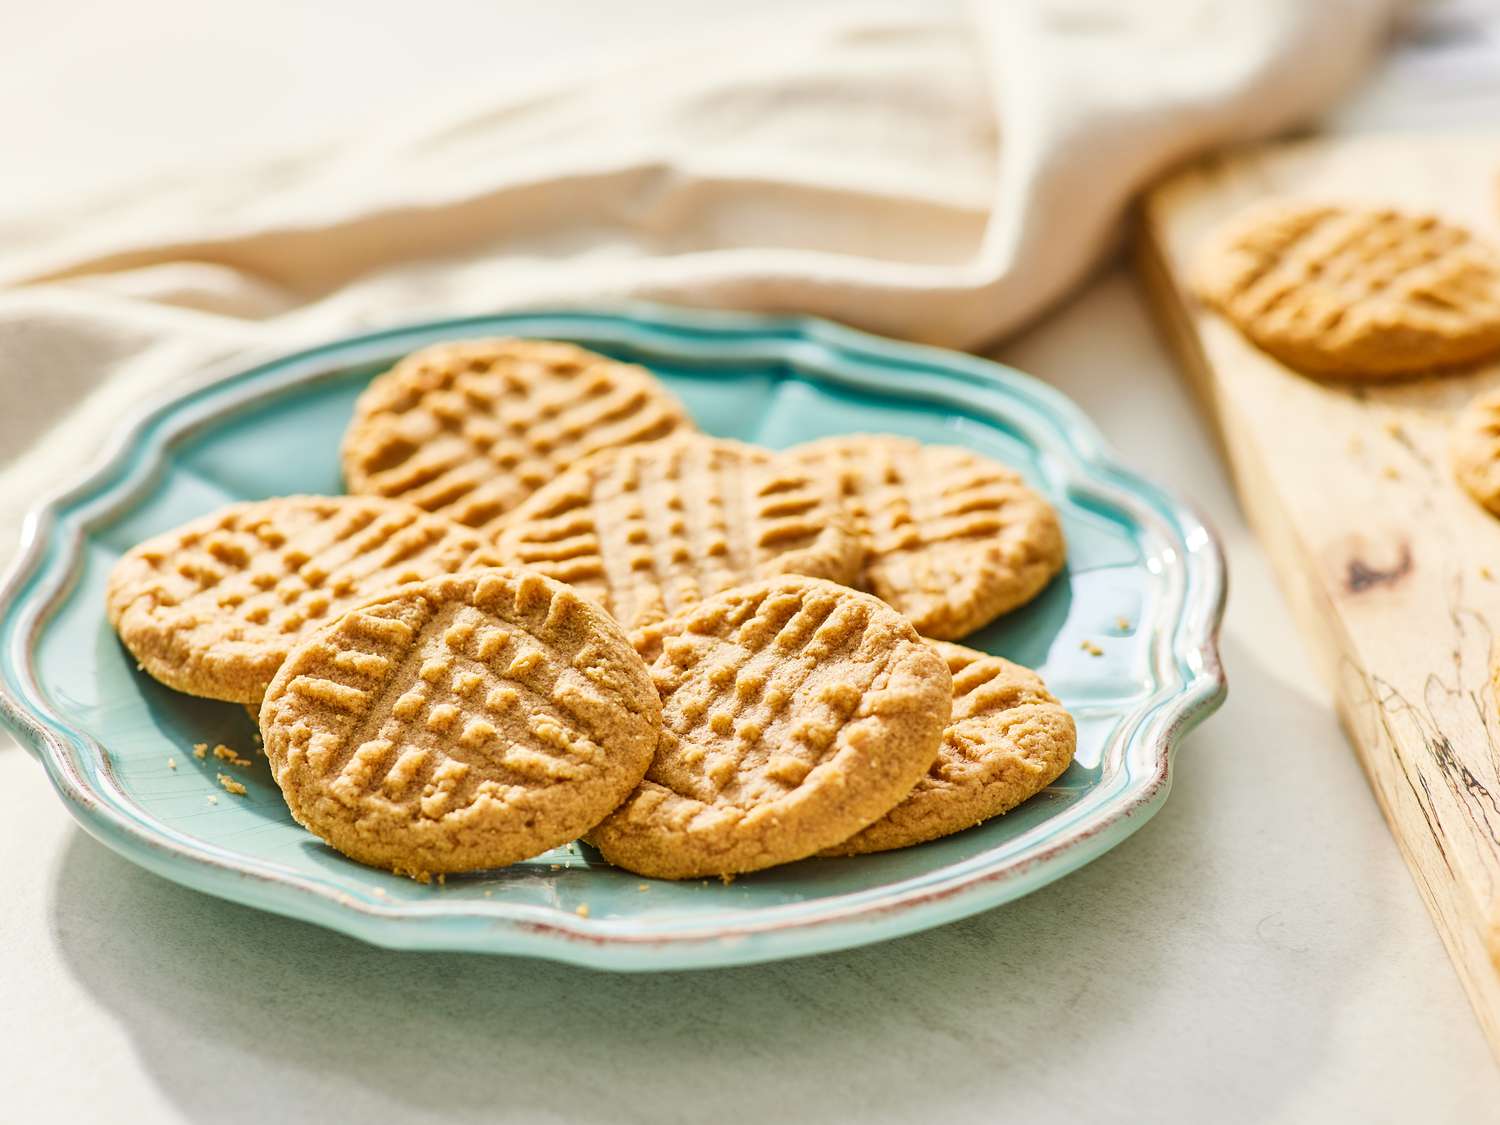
point(1257, 952)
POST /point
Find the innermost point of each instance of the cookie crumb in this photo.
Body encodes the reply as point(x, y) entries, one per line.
point(643, 886)
point(726, 878)
point(1487, 574)
point(231, 785)
point(1393, 428)
point(488, 893)
point(442, 878)
point(171, 763)
point(1091, 648)
point(1122, 624)
point(212, 800)
point(225, 754)
point(1390, 472)
point(556, 866)
point(583, 910)
point(200, 750)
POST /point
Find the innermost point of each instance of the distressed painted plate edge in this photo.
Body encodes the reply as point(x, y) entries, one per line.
point(52, 542)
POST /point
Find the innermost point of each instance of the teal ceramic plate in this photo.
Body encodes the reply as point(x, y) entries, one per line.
point(1144, 586)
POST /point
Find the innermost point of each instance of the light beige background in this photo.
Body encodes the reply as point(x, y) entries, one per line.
point(1256, 953)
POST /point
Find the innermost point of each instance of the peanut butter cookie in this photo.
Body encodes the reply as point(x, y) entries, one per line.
point(467, 722)
point(952, 539)
point(794, 713)
point(1476, 449)
point(1009, 738)
point(648, 529)
point(213, 607)
point(470, 429)
point(1355, 292)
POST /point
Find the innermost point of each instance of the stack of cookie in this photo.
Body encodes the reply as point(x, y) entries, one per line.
point(553, 610)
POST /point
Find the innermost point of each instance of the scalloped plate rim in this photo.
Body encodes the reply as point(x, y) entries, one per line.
point(794, 929)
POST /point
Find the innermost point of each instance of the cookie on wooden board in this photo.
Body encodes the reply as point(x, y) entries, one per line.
point(213, 607)
point(1008, 739)
point(952, 539)
point(1349, 292)
point(647, 529)
point(463, 723)
point(470, 429)
point(794, 712)
point(1475, 447)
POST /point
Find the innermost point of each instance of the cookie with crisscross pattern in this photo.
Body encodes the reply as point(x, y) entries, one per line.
point(462, 723)
point(648, 529)
point(468, 430)
point(1009, 738)
point(1355, 292)
point(212, 608)
point(951, 538)
point(794, 713)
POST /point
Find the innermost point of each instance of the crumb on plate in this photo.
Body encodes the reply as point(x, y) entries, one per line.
point(225, 754)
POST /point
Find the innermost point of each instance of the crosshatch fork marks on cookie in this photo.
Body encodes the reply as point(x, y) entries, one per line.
point(494, 702)
point(1355, 292)
point(648, 529)
point(213, 607)
point(952, 539)
point(468, 430)
point(747, 723)
point(794, 712)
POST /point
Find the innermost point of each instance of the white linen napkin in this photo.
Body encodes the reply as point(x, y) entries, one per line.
point(937, 178)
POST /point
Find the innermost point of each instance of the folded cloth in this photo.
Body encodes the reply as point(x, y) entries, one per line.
point(941, 177)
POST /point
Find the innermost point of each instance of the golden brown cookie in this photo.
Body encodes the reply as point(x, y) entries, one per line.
point(466, 722)
point(952, 539)
point(1355, 292)
point(794, 712)
point(212, 607)
point(1009, 738)
point(1476, 449)
point(647, 529)
point(470, 429)
point(1495, 679)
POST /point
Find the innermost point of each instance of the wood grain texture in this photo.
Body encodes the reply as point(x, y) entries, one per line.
point(1393, 572)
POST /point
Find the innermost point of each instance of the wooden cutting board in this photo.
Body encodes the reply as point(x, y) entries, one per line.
point(1392, 571)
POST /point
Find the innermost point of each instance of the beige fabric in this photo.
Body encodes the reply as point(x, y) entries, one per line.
point(924, 176)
